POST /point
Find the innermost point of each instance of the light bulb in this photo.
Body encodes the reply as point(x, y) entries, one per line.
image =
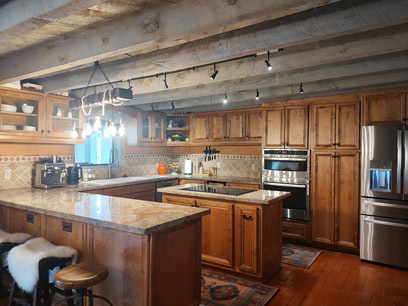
point(106, 131)
point(112, 129)
point(74, 133)
point(97, 124)
point(83, 134)
point(88, 129)
point(122, 130)
point(225, 99)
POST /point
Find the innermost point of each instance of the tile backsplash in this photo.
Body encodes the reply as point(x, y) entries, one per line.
point(21, 167)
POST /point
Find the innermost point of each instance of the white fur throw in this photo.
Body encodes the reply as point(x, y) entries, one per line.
point(23, 260)
point(13, 237)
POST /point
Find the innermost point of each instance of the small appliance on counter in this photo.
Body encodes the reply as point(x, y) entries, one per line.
point(74, 175)
point(188, 167)
point(49, 173)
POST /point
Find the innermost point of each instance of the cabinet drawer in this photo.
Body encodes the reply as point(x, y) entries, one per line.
point(183, 182)
point(294, 230)
point(178, 200)
point(24, 222)
point(247, 186)
point(117, 191)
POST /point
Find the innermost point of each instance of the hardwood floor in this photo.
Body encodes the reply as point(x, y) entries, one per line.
point(340, 279)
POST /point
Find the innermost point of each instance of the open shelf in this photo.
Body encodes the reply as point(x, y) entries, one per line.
point(65, 118)
point(18, 114)
point(178, 129)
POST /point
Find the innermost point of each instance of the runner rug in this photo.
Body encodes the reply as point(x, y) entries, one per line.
point(298, 255)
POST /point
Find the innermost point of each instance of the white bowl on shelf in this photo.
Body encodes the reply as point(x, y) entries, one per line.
point(28, 109)
point(29, 128)
point(8, 108)
point(8, 127)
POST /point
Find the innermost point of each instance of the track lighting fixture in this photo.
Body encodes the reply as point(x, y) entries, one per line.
point(268, 65)
point(214, 74)
point(165, 80)
point(301, 88)
point(257, 95)
point(152, 107)
point(172, 105)
point(225, 101)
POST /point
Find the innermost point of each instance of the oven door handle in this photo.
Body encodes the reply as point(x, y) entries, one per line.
point(385, 223)
point(286, 185)
point(285, 159)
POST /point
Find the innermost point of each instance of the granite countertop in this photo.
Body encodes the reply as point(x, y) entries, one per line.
point(254, 197)
point(137, 216)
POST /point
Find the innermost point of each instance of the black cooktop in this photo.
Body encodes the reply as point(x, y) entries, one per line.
point(219, 190)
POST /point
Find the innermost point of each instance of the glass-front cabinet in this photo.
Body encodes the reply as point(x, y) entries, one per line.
point(151, 127)
point(21, 114)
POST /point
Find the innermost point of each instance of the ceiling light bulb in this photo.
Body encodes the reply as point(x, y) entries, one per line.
point(225, 99)
point(268, 65)
point(122, 130)
point(97, 124)
point(257, 95)
point(83, 134)
point(74, 132)
point(88, 129)
point(112, 129)
point(106, 131)
point(301, 88)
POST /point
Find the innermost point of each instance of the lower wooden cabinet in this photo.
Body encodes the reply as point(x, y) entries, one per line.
point(294, 230)
point(138, 192)
point(21, 221)
point(335, 198)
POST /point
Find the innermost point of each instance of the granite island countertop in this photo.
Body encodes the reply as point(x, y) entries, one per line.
point(137, 216)
point(254, 196)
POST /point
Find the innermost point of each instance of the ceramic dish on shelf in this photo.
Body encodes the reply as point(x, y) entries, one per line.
point(27, 109)
point(29, 128)
point(8, 127)
point(8, 108)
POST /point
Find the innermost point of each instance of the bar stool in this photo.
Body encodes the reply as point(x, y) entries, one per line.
point(30, 265)
point(79, 277)
point(7, 242)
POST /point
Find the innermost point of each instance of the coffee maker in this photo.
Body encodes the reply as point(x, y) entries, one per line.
point(50, 173)
point(74, 175)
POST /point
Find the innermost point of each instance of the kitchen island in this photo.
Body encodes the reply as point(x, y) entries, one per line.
point(243, 233)
point(152, 249)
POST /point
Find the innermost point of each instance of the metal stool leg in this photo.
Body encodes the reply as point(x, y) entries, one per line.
point(13, 288)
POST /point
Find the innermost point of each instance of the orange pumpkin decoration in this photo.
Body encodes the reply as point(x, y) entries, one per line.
point(162, 168)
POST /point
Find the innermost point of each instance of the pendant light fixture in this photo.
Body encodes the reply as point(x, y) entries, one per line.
point(257, 95)
point(165, 80)
point(268, 65)
point(214, 74)
point(74, 132)
point(225, 101)
point(301, 88)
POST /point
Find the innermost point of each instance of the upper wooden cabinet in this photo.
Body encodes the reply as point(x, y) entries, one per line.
point(151, 127)
point(286, 127)
point(385, 108)
point(253, 125)
point(218, 127)
point(336, 126)
point(201, 128)
point(236, 126)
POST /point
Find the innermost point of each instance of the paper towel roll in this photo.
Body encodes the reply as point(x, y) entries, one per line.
point(188, 167)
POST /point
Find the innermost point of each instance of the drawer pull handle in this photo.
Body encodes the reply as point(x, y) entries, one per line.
point(247, 218)
point(67, 227)
point(30, 218)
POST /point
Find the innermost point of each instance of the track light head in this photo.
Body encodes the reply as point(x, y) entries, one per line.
point(301, 88)
point(268, 65)
point(257, 95)
point(225, 101)
point(214, 75)
point(172, 105)
point(165, 81)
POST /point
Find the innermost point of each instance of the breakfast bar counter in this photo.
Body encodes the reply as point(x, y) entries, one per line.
point(152, 249)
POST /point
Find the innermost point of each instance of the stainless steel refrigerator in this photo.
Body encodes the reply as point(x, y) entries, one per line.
point(384, 195)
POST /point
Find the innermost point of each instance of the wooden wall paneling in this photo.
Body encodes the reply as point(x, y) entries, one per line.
point(246, 238)
point(217, 241)
point(236, 126)
point(253, 125)
point(127, 256)
point(274, 129)
point(322, 197)
point(383, 108)
point(296, 129)
point(177, 269)
point(348, 125)
point(201, 128)
point(324, 126)
point(347, 196)
point(21, 221)
point(218, 130)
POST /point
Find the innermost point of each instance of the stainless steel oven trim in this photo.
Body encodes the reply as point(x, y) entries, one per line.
point(286, 158)
point(373, 220)
point(287, 185)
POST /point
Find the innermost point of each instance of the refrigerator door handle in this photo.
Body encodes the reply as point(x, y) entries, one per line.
point(399, 160)
point(369, 220)
point(405, 178)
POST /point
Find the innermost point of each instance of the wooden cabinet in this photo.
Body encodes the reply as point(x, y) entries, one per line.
point(335, 198)
point(294, 230)
point(243, 185)
point(384, 108)
point(201, 128)
point(336, 126)
point(217, 233)
point(286, 127)
point(246, 238)
point(151, 129)
point(185, 181)
point(139, 191)
point(218, 127)
point(177, 129)
point(253, 125)
point(21, 221)
point(236, 126)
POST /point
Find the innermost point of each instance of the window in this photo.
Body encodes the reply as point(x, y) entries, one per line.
point(96, 150)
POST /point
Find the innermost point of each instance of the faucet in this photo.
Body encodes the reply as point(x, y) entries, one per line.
point(111, 158)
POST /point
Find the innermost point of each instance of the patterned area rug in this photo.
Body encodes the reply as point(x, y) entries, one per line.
point(220, 289)
point(298, 255)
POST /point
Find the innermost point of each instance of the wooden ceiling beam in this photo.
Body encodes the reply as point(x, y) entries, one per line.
point(169, 22)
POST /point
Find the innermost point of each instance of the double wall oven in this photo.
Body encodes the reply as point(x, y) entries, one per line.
point(288, 170)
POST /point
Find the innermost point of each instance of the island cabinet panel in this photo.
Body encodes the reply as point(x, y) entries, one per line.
point(218, 127)
point(184, 182)
point(274, 127)
point(296, 129)
point(218, 232)
point(246, 237)
point(384, 108)
point(179, 200)
point(236, 126)
point(201, 128)
point(253, 125)
point(242, 185)
point(22, 221)
point(137, 191)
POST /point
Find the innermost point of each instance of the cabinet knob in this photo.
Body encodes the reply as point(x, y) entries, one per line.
point(335, 156)
point(246, 217)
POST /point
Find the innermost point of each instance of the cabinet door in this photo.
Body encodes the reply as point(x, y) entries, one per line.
point(21, 221)
point(158, 128)
point(145, 127)
point(218, 127)
point(173, 199)
point(246, 233)
point(322, 197)
point(297, 131)
point(384, 109)
point(347, 196)
point(61, 120)
point(217, 233)
point(200, 128)
point(274, 127)
point(324, 126)
point(253, 125)
point(236, 126)
point(348, 125)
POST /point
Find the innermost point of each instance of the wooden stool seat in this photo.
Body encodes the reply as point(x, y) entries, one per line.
point(80, 276)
